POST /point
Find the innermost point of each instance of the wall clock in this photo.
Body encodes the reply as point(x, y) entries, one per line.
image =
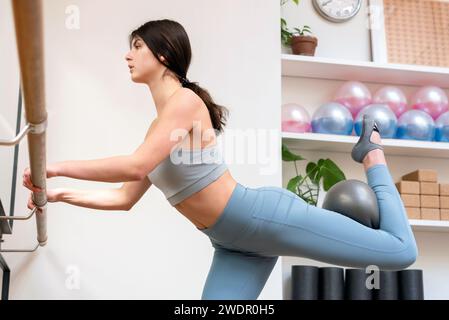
point(337, 10)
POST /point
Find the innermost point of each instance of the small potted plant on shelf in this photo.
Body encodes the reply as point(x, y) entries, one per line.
point(297, 40)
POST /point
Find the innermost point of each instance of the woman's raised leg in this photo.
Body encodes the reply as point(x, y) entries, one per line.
point(285, 225)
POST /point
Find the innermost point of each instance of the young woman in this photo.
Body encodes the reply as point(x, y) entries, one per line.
point(248, 227)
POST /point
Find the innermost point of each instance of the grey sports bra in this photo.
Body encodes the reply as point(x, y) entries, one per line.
point(185, 172)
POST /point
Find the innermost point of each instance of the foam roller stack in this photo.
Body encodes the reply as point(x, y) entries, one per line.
point(336, 283)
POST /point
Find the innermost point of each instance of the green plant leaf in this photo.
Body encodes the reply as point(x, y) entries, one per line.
point(331, 174)
point(316, 180)
point(287, 155)
point(328, 163)
point(283, 22)
point(329, 179)
point(292, 185)
point(312, 170)
point(296, 1)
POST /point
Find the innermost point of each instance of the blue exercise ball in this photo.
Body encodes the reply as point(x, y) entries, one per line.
point(442, 128)
point(416, 125)
point(333, 118)
point(354, 199)
point(384, 116)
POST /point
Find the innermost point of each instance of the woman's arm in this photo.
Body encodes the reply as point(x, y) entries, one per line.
point(102, 199)
point(122, 198)
point(174, 124)
point(113, 169)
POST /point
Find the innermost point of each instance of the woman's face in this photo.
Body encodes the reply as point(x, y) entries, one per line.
point(142, 64)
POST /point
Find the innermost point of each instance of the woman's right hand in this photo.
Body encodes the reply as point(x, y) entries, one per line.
point(27, 183)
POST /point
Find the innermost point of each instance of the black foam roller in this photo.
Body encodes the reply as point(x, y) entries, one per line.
point(355, 285)
point(331, 283)
point(388, 286)
point(411, 285)
point(304, 282)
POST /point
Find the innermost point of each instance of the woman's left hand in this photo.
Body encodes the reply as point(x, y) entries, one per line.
point(52, 196)
point(27, 183)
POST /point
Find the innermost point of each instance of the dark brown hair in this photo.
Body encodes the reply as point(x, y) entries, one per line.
point(169, 39)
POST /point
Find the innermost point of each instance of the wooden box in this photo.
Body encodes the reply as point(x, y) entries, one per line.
point(430, 214)
point(410, 187)
point(429, 201)
point(444, 202)
point(444, 214)
point(411, 200)
point(413, 212)
point(429, 188)
point(427, 175)
point(444, 189)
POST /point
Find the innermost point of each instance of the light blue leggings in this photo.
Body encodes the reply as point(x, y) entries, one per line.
point(260, 224)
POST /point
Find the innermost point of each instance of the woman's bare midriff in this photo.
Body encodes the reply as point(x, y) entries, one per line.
point(205, 206)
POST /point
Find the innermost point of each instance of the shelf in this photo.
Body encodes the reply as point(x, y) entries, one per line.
point(430, 225)
point(364, 71)
point(341, 143)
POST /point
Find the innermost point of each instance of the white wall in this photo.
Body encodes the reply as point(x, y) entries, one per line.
point(9, 92)
point(95, 111)
point(348, 40)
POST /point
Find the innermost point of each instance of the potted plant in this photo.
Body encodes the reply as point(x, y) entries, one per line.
point(297, 40)
point(307, 187)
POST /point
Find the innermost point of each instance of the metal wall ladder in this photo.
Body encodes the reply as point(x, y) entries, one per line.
point(29, 37)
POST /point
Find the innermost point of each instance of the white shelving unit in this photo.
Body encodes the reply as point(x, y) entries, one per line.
point(430, 225)
point(341, 143)
point(338, 69)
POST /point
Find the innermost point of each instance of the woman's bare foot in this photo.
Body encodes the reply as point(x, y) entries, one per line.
point(375, 156)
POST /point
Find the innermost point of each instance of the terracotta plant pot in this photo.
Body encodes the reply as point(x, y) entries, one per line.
point(304, 45)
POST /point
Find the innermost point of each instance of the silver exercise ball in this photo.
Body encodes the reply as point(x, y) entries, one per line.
point(354, 199)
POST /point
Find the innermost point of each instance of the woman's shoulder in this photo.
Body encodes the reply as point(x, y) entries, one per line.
point(187, 95)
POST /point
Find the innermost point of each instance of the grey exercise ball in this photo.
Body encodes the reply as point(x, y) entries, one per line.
point(354, 199)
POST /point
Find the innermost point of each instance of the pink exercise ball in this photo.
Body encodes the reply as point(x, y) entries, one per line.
point(393, 97)
point(432, 100)
point(295, 118)
point(353, 95)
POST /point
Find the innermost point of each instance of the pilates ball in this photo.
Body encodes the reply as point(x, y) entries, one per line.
point(432, 100)
point(354, 199)
point(353, 95)
point(416, 125)
point(333, 118)
point(442, 128)
point(393, 97)
point(295, 118)
point(384, 116)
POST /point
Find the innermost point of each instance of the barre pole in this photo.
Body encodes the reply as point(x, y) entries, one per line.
point(29, 35)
